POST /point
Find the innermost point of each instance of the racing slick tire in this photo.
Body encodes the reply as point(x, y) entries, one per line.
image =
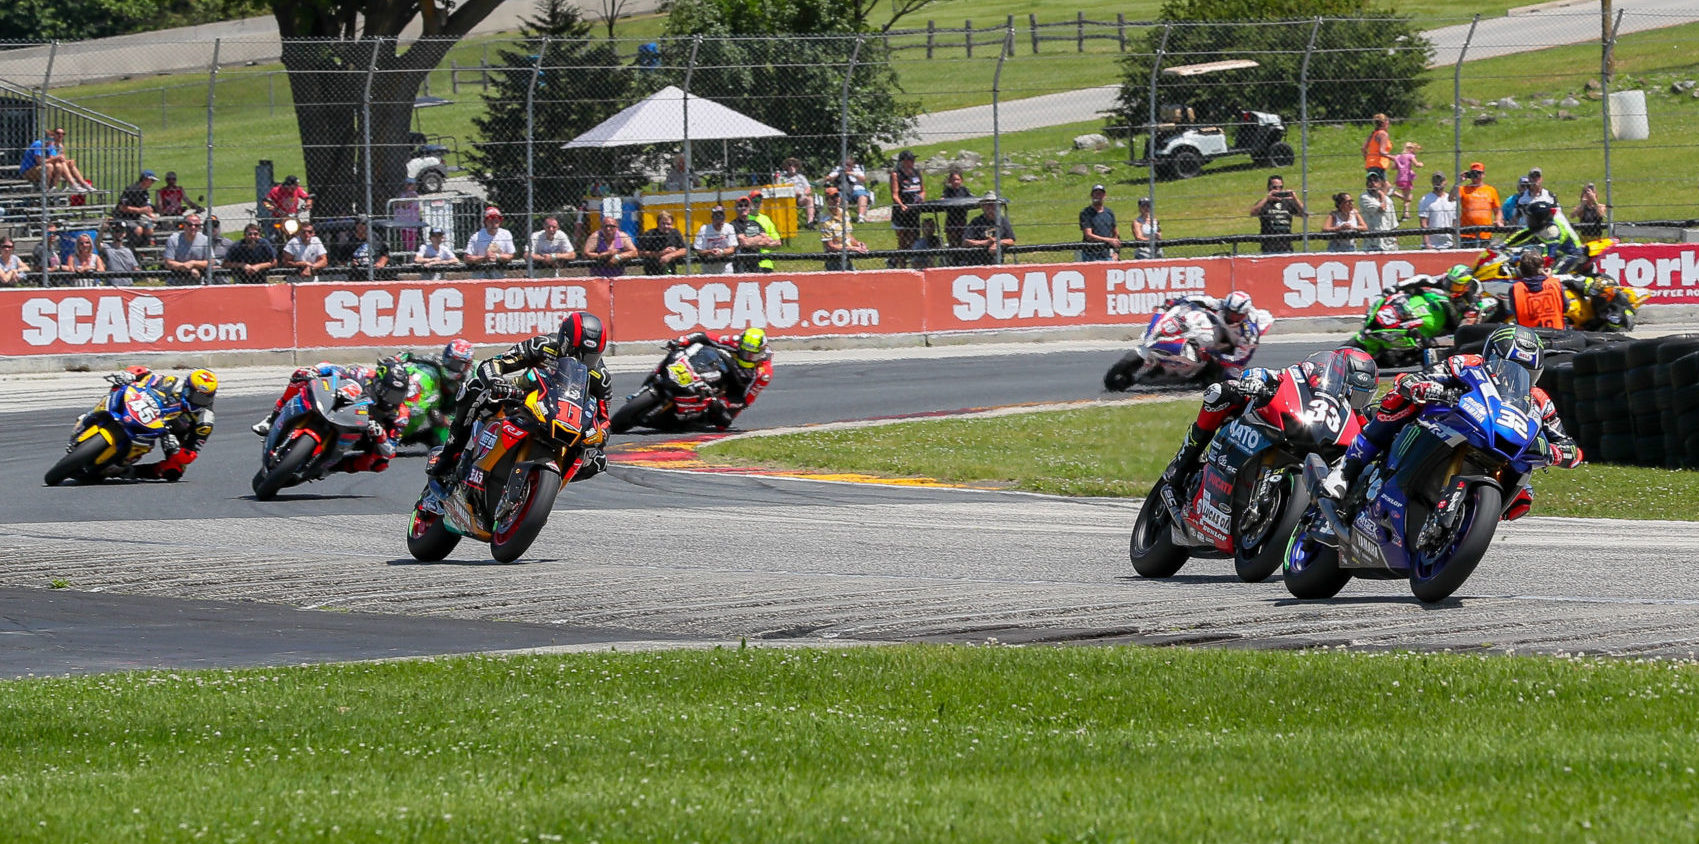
point(1151, 548)
point(295, 456)
point(77, 463)
point(510, 544)
point(634, 410)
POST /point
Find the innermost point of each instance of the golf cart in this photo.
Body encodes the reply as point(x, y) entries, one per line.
point(1179, 146)
point(428, 161)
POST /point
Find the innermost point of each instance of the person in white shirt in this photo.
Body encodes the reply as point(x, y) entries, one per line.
point(1437, 210)
point(304, 253)
point(851, 179)
point(804, 191)
point(490, 247)
point(716, 242)
point(550, 247)
point(436, 254)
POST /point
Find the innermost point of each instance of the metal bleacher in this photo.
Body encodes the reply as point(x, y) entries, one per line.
point(107, 150)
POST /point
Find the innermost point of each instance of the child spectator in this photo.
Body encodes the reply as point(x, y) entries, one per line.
point(436, 255)
point(407, 215)
point(925, 244)
point(804, 191)
point(661, 247)
point(1407, 164)
point(249, 260)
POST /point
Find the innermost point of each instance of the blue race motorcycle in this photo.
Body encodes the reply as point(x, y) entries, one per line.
point(117, 433)
point(1426, 508)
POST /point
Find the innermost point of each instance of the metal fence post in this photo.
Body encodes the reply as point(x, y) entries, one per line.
point(1457, 133)
point(1304, 130)
point(1605, 100)
point(689, 166)
point(366, 129)
point(211, 93)
point(41, 128)
point(531, 153)
point(845, 192)
point(1150, 128)
point(997, 131)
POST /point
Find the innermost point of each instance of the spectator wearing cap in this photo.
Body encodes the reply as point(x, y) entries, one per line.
point(120, 258)
point(609, 249)
point(362, 253)
point(304, 255)
point(989, 232)
point(135, 211)
point(1511, 210)
point(716, 242)
point(288, 198)
point(408, 217)
point(436, 254)
point(662, 247)
point(837, 235)
point(550, 247)
point(768, 228)
point(908, 187)
point(1437, 210)
point(1147, 232)
point(490, 247)
point(1478, 205)
point(171, 197)
point(249, 259)
point(1378, 213)
point(752, 239)
point(1098, 229)
point(188, 253)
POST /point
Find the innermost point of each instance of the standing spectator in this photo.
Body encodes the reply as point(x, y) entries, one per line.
point(219, 244)
point(716, 242)
point(550, 247)
point(1275, 212)
point(661, 247)
point(288, 199)
point(908, 186)
point(1588, 214)
point(249, 260)
point(990, 231)
point(1537, 187)
point(407, 215)
point(1147, 232)
point(677, 178)
point(1377, 150)
point(84, 260)
point(135, 210)
point(1098, 229)
point(170, 197)
point(1437, 210)
point(1478, 205)
point(851, 181)
point(436, 255)
point(924, 245)
point(13, 271)
point(46, 254)
point(837, 234)
point(1343, 218)
point(752, 239)
point(1407, 164)
point(768, 228)
point(304, 255)
point(955, 218)
point(1376, 212)
point(803, 190)
point(187, 253)
point(489, 247)
point(1511, 210)
point(610, 249)
point(120, 258)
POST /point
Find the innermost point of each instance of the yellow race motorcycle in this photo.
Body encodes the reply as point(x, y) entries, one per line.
point(1593, 300)
point(123, 428)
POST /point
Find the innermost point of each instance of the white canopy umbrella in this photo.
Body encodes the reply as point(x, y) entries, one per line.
point(660, 118)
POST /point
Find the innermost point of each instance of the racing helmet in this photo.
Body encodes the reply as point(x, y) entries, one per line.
point(581, 337)
point(1539, 214)
point(1236, 308)
point(389, 383)
point(751, 347)
point(456, 360)
point(1361, 376)
point(200, 388)
point(1519, 344)
point(1460, 282)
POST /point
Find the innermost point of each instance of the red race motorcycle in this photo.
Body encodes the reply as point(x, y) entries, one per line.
point(1247, 498)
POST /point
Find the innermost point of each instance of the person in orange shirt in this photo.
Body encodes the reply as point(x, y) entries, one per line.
point(1477, 205)
point(1377, 150)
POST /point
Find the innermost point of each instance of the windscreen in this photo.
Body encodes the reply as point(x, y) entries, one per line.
point(1513, 381)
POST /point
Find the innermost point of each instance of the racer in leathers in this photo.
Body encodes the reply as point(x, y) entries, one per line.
point(1239, 326)
point(1464, 303)
point(581, 337)
point(1225, 399)
point(188, 417)
point(452, 367)
point(751, 373)
point(1414, 391)
point(386, 384)
point(1548, 228)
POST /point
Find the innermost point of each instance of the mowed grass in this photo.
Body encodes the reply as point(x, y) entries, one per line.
point(900, 744)
point(1121, 449)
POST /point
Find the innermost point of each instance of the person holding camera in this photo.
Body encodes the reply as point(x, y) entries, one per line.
point(1589, 214)
point(1275, 212)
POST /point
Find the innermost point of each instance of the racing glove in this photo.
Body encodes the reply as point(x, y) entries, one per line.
point(169, 444)
point(1422, 390)
point(375, 430)
point(1563, 455)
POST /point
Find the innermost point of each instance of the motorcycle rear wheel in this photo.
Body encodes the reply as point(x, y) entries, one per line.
point(634, 410)
point(77, 463)
point(1151, 548)
point(1255, 563)
point(1482, 510)
point(1312, 568)
point(428, 540)
point(295, 456)
point(1124, 373)
point(530, 516)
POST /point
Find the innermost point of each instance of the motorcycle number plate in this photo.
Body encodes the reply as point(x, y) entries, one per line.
point(569, 414)
point(1387, 316)
point(142, 407)
point(682, 375)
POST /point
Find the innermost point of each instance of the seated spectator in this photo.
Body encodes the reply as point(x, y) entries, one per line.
point(13, 271)
point(171, 197)
point(435, 254)
point(716, 242)
point(837, 234)
point(677, 177)
point(136, 212)
point(288, 199)
point(186, 253)
point(550, 247)
point(304, 255)
point(610, 249)
point(990, 231)
point(490, 247)
point(215, 236)
point(45, 164)
point(46, 253)
point(924, 244)
point(360, 252)
point(84, 260)
point(249, 260)
point(662, 247)
point(119, 258)
point(851, 178)
point(804, 191)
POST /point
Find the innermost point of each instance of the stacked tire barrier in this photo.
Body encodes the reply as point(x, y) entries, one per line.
point(1634, 402)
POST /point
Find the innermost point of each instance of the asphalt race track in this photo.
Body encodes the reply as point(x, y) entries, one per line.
point(198, 574)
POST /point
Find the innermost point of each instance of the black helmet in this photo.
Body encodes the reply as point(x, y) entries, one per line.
point(1539, 213)
point(1519, 344)
point(581, 337)
point(390, 383)
point(1361, 375)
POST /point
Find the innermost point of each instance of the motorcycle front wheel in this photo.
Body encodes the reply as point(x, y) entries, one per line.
point(1123, 373)
point(1433, 577)
point(295, 456)
point(1261, 548)
point(79, 462)
point(1312, 568)
point(634, 410)
point(1152, 549)
point(428, 539)
point(514, 535)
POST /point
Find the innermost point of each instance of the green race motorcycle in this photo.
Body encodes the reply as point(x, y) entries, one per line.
point(429, 411)
point(1401, 323)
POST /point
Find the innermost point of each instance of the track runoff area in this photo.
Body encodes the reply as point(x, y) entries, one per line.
point(657, 556)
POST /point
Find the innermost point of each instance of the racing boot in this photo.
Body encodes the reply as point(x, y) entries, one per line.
point(1197, 439)
point(595, 463)
point(263, 426)
point(1344, 474)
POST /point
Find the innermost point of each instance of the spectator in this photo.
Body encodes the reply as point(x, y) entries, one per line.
point(990, 231)
point(362, 253)
point(407, 214)
point(609, 249)
point(1537, 187)
point(1588, 214)
point(304, 255)
point(187, 253)
point(1377, 150)
point(1274, 212)
point(768, 228)
point(135, 210)
point(45, 164)
point(752, 239)
point(908, 186)
point(601, 187)
point(120, 259)
point(851, 180)
point(661, 247)
point(550, 247)
point(955, 218)
point(1147, 232)
point(436, 255)
point(85, 260)
point(46, 253)
point(171, 197)
point(837, 235)
point(1478, 205)
point(1343, 218)
point(1407, 164)
point(716, 242)
point(1098, 229)
point(1437, 210)
point(1511, 209)
point(489, 247)
point(249, 260)
point(288, 199)
point(216, 239)
point(803, 190)
point(678, 177)
point(1377, 215)
point(13, 271)
point(924, 245)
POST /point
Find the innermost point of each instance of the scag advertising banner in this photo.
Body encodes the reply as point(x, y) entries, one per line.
point(152, 319)
point(1332, 284)
point(800, 305)
point(408, 313)
point(1038, 295)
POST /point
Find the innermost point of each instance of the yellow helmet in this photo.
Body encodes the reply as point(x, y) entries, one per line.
point(751, 348)
point(201, 387)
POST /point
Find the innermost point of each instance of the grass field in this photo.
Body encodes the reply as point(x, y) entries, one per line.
point(1120, 450)
point(872, 744)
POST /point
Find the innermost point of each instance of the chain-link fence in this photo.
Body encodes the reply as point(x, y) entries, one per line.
point(621, 143)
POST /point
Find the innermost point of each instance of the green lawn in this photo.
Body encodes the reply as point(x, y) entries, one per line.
point(898, 744)
point(1121, 449)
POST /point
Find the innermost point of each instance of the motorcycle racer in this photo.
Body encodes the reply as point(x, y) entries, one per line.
point(386, 384)
point(1547, 227)
point(1239, 325)
point(188, 417)
point(751, 373)
point(452, 367)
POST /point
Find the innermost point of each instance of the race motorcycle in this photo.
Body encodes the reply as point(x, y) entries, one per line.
point(1248, 496)
point(1384, 334)
point(1593, 300)
point(1425, 509)
point(677, 393)
point(322, 424)
point(427, 422)
point(520, 451)
point(1176, 350)
point(121, 431)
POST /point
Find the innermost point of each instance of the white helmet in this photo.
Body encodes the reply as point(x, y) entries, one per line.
point(1237, 303)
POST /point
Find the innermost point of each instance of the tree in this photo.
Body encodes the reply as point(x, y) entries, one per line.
point(1366, 60)
point(580, 83)
point(329, 49)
